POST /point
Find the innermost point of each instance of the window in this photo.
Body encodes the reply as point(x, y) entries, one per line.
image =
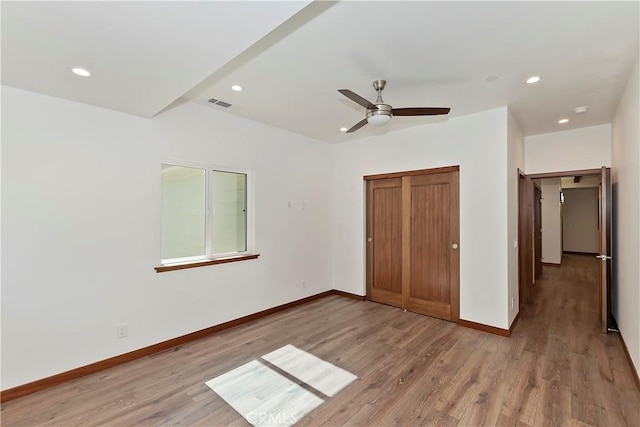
point(184, 212)
point(205, 213)
point(229, 211)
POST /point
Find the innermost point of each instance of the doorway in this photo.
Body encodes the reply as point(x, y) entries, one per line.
point(576, 218)
point(413, 225)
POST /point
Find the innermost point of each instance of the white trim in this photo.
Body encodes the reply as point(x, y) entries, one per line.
point(251, 213)
point(225, 169)
point(183, 260)
point(184, 163)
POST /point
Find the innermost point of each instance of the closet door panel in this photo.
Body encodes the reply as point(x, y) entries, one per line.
point(384, 241)
point(430, 242)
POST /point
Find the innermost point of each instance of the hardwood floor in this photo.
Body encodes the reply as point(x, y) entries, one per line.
point(555, 369)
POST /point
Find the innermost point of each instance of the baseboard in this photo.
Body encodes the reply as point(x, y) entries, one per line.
point(630, 361)
point(486, 328)
point(513, 324)
point(38, 385)
point(348, 295)
point(551, 264)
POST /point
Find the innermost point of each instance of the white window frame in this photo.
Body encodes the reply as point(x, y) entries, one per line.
point(249, 214)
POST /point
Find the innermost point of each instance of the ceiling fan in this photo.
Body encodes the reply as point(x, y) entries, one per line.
point(379, 113)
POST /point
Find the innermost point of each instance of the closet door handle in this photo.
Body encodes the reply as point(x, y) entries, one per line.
point(454, 246)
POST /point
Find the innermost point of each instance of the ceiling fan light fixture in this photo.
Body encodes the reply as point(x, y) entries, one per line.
point(379, 118)
point(379, 113)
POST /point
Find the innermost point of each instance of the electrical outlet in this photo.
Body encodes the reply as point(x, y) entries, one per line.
point(513, 303)
point(303, 283)
point(122, 331)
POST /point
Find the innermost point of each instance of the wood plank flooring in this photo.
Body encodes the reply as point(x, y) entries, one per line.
point(556, 369)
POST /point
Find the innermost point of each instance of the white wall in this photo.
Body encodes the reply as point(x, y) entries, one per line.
point(576, 149)
point(626, 242)
point(81, 229)
point(580, 220)
point(515, 164)
point(478, 143)
point(551, 221)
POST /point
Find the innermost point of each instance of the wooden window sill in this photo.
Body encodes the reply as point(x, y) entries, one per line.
point(194, 264)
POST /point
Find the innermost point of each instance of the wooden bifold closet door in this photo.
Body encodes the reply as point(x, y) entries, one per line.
point(412, 241)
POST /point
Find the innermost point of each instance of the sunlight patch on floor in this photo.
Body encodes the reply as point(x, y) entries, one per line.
point(265, 397)
point(319, 374)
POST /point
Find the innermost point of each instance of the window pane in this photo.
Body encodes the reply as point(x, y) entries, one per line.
point(183, 212)
point(229, 212)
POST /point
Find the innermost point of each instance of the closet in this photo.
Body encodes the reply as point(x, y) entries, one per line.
point(413, 254)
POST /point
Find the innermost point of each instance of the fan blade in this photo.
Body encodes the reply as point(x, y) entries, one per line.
point(357, 99)
point(431, 111)
point(357, 126)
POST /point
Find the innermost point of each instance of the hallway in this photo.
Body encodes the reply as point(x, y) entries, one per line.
point(584, 374)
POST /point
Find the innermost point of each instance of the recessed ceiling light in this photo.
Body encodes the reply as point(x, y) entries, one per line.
point(580, 110)
point(237, 88)
point(491, 79)
point(533, 79)
point(80, 72)
point(562, 121)
point(343, 129)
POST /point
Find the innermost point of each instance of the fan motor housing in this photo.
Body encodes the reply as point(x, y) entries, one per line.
point(381, 110)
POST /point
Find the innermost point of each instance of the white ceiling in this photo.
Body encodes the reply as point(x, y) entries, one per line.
point(145, 55)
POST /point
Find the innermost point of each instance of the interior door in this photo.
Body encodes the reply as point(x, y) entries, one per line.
point(430, 244)
point(384, 241)
point(605, 248)
point(525, 243)
point(537, 231)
